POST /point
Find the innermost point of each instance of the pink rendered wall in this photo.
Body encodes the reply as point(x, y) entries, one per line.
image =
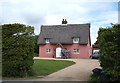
point(42, 50)
point(89, 48)
point(85, 50)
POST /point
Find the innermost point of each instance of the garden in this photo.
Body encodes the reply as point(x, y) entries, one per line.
point(109, 44)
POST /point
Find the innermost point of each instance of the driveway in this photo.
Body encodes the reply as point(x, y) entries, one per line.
point(80, 71)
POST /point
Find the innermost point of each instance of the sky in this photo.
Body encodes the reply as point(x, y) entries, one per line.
point(99, 13)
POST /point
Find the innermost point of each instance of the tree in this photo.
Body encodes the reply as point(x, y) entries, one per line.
point(36, 48)
point(17, 50)
point(109, 43)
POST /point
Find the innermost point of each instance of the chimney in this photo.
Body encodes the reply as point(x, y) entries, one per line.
point(64, 21)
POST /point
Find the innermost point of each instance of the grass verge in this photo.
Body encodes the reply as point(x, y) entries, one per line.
point(43, 67)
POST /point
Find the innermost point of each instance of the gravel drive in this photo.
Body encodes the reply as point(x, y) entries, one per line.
point(80, 71)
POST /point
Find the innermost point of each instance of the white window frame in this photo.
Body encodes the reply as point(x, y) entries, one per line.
point(47, 40)
point(76, 51)
point(76, 40)
point(48, 51)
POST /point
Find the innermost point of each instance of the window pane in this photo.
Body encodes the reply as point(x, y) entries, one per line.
point(48, 50)
point(76, 51)
point(47, 40)
point(75, 40)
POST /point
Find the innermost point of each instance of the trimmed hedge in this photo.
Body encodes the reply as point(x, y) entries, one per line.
point(109, 43)
point(17, 50)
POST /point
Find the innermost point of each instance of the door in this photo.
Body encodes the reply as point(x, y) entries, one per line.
point(58, 52)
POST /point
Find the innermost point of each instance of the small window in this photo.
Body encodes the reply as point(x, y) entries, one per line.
point(48, 50)
point(76, 51)
point(47, 40)
point(75, 40)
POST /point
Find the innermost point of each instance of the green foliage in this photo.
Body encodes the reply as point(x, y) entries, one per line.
point(17, 50)
point(95, 79)
point(36, 47)
point(45, 67)
point(35, 55)
point(109, 43)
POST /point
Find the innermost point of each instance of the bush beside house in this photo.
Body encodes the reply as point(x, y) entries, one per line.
point(17, 50)
point(109, 43)
point(36, 47)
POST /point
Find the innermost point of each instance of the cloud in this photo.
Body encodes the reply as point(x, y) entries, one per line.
point(36, 19)
point(51, 12)
point(103, 21)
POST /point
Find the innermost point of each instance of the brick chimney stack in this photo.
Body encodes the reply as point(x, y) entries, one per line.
point(64, 21)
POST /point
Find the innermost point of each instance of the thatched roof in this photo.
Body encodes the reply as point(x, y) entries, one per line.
point(64, 34)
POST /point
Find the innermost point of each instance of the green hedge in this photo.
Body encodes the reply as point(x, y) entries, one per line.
point(109, 43)
point(17, 50)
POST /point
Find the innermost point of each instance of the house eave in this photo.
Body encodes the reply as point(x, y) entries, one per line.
point(63, 43)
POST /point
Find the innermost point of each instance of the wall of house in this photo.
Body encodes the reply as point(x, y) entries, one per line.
point(84, 50)
point(90, 50)
point(42, 50)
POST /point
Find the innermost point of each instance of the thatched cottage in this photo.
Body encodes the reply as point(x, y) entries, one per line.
point(74, 37)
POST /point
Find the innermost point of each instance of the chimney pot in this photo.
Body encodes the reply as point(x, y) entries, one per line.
point(64, 21)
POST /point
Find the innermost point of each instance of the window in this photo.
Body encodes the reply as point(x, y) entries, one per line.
point(75, 40)
point(47, 40)
point(48, 50)
point(76, 51)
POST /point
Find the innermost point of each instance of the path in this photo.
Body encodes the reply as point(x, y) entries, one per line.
point(80, 71)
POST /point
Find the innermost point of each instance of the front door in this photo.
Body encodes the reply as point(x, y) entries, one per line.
point(58, 52)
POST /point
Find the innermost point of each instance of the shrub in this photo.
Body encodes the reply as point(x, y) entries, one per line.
point(17, 50)
point(109, 43)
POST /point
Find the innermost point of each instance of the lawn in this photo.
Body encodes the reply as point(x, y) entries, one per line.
point(44, 67)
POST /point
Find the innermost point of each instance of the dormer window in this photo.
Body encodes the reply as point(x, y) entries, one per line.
point(75, 40)
point(47, 40)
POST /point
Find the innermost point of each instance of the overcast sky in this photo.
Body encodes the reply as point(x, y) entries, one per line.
point(99, 13)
